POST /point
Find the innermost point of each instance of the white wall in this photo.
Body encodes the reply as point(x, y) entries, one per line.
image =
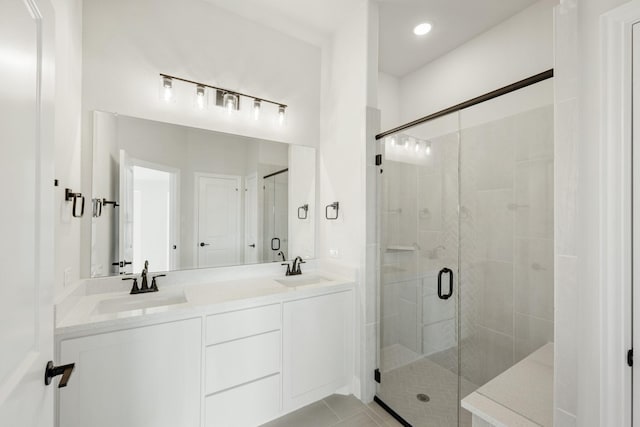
point(68, 51)
point(578, 194)
point(517, 48)
point(349, 86)
point(388, 100)
point(127, 43)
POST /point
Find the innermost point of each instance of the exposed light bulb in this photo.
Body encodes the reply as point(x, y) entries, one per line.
point(428, 149)
point(417, 146)
point(281, 114)
point(256, 109)
point(392, 141)
point(200, 97)
point(230, 100)
point(167, 88)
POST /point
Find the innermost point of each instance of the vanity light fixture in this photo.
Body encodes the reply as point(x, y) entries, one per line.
point(201, 99)
point(428, 149)
point(228, 99)
point(256, 109)
point(167, 88)
point(231, 102)
point(422, 29)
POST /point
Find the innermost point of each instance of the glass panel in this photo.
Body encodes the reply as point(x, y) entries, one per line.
point(276, 218)
point(418, 356)
point(506, 239)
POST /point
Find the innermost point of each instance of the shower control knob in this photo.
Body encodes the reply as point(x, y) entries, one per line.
point(203, 244)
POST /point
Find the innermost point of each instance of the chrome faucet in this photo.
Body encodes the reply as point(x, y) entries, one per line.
point(145, 284)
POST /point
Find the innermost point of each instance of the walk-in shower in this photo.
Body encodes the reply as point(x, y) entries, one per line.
point(466, 250)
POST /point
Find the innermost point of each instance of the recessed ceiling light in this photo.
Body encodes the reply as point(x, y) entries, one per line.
point(422, 29)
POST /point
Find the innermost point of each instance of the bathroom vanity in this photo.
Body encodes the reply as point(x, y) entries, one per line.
point(212, 348)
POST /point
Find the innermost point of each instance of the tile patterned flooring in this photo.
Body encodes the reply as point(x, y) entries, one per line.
point(337, 411)
point(400, 387)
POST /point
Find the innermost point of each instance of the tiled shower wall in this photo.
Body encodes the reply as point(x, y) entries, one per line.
point(506, 244)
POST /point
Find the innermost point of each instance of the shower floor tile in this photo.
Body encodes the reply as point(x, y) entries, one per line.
point(396, 356)
point(400, 387)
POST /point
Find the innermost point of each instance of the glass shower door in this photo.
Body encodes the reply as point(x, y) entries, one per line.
point(419, 229)
point(276, 222)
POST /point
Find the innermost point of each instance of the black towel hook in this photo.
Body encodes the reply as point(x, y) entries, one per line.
point(70, 196)
point(336, 207)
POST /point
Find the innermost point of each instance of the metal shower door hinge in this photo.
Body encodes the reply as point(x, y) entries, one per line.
point(630, 357)
point(376, 375)
point(378, 159)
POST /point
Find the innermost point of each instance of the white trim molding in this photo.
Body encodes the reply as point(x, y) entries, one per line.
point(616, 191)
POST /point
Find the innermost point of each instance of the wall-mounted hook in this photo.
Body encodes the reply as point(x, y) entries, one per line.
point(336, 207)
point(97, 207)
point(70, 196)
point(305, 211)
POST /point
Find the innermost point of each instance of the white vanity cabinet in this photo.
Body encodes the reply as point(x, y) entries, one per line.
point(243, 367)
point(240, 367)
point(147, 376)
point(317, 347)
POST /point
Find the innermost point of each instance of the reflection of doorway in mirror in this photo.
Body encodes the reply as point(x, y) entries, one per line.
point(154, 216)
point(218, 210)
point(251, 246)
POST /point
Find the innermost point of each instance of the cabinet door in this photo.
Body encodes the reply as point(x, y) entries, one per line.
point(317, 348)
point(135, 378)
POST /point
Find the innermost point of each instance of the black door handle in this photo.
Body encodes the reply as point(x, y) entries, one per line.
point(273, 248)
point(253, 245)
point(53, 371)
point(203, 244)
point(440, 273)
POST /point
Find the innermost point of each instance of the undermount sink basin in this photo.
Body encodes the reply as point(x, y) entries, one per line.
point(302, 280)
point(138, 302)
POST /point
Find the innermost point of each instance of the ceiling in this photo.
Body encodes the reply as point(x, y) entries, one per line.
point(310, 20)
point(401, 52)
point(454, 22)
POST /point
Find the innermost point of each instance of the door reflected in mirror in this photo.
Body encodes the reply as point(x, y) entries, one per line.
point(190, 198)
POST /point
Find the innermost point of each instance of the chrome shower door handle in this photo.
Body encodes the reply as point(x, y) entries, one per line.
point(442, 295)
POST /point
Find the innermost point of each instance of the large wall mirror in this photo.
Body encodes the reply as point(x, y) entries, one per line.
point(185, 198)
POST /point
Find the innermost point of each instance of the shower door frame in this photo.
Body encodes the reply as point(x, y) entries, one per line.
point(521, 84)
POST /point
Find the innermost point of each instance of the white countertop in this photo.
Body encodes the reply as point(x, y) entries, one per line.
point(520, 396)
point(81, 314)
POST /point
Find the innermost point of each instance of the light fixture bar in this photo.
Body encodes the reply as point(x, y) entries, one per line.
point(280, 104)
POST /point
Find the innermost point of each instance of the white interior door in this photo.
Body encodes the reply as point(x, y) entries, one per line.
point(125, 226)
point(26, 221)
point(218, 220)
point(251, 219)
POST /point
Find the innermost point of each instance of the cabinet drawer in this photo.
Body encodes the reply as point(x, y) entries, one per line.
point(250, 405)
point(238, 324)
point(238, 362)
